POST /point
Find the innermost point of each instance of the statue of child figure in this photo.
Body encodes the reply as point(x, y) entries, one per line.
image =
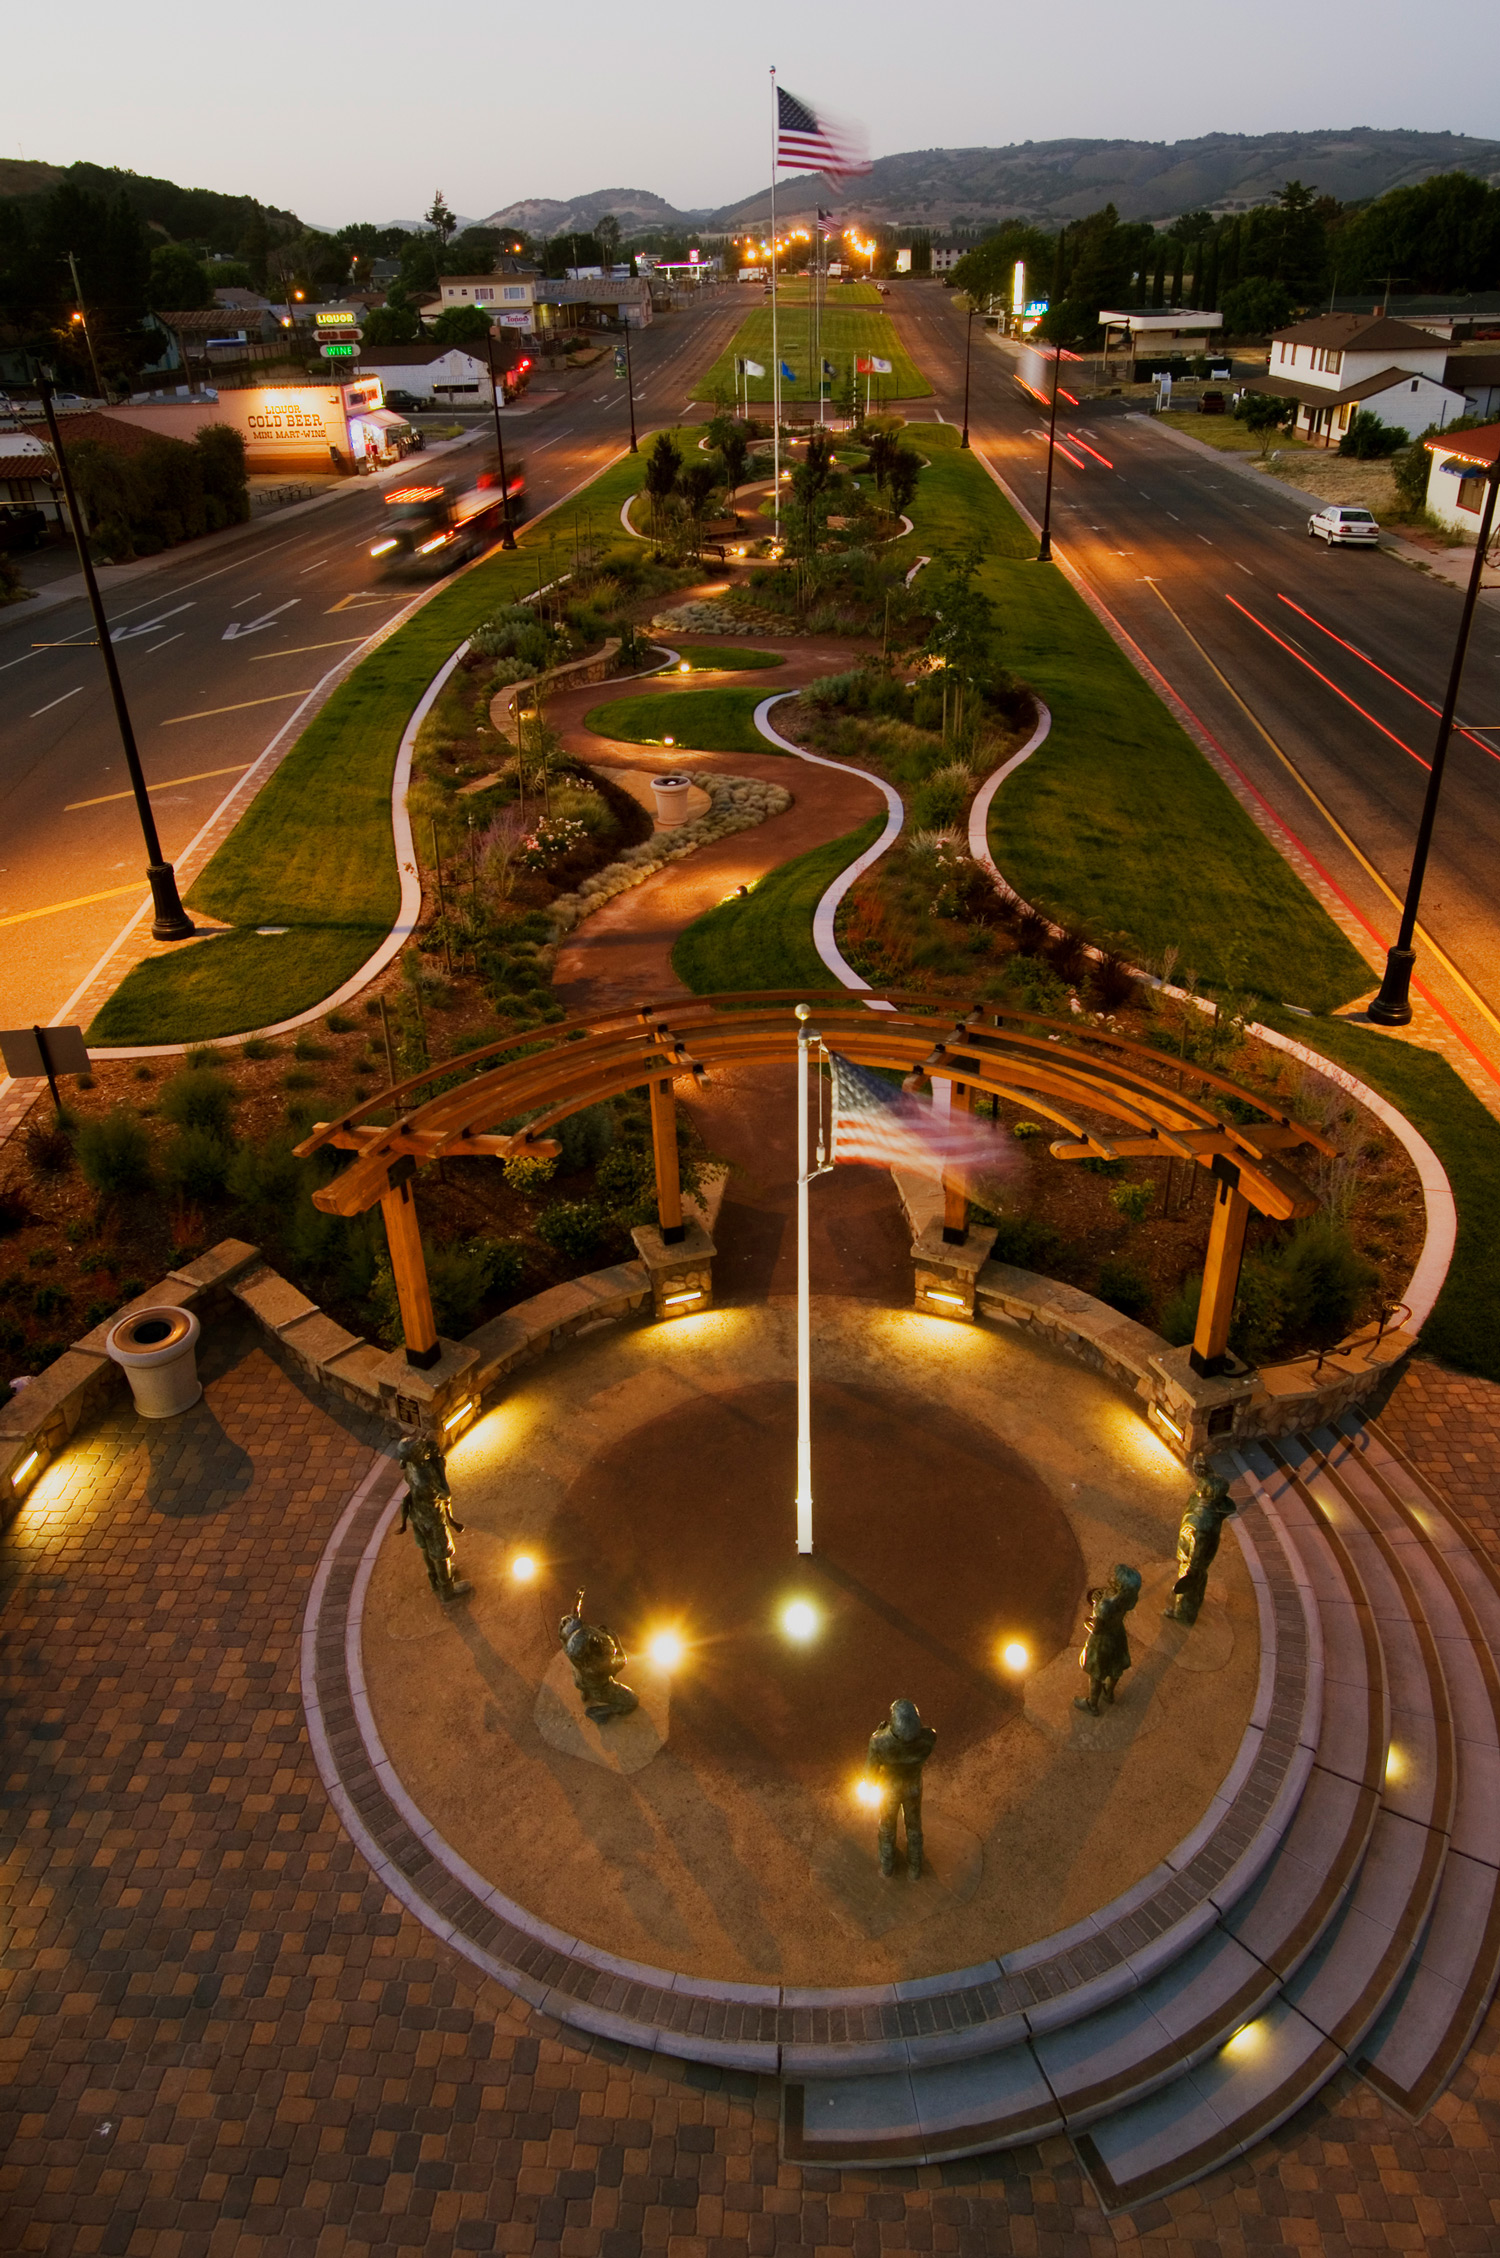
point(1106, 1656)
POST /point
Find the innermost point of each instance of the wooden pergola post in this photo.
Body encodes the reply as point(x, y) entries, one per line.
point(1221, 1272)
point(398, 1210)
point(955, 1190)
point(664, 1150)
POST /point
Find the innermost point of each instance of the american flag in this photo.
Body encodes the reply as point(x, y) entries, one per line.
point(806, 142)
point(885, 1128)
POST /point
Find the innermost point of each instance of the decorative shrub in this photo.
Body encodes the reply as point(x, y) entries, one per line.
point(199, 1098)
point(1124, 1286)
point(195, 1162)
point(575, 1228)
point(528, 1175)
point(1132, 1201)
point(114, 1154)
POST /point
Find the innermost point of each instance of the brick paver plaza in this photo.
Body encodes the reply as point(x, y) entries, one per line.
point(221, 2036)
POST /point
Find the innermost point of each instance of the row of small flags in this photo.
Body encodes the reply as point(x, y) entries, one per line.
point(869, 367)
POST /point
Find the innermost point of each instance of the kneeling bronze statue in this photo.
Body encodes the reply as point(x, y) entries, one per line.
point(1198, 1540)
point(597, 1658)
point(1106, 1655)
point(428, 1506)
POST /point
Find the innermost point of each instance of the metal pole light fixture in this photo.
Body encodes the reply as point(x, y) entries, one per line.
point(171, 922)
point(1044, 553)
point(630, 388)
point(1392, 1007)
point(507, 530)
point(968, 341)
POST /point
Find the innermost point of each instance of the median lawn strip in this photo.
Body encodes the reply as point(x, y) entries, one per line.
point(763, 938)
point(313, 853)
point(697, 721)
point(848, 334)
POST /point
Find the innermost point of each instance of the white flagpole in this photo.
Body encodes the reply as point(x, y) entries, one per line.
point(804, 1305)
point(775, 338)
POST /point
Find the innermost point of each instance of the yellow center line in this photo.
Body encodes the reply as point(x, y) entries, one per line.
point(79, 901)
point(297, 649)
point(1333, 823)
point(209, 711)
point(165, 785)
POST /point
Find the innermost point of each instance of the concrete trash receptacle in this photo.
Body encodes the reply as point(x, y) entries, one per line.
point(156, 1348)
point(673, 794)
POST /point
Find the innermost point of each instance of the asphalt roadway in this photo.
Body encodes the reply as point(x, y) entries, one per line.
point(1330, 652)
point(218, 644)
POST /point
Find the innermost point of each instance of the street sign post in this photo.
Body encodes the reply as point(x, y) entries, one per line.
point(32, 1051)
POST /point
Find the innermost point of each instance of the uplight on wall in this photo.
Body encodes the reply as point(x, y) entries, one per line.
point(683, 1300)
point(944, 1299)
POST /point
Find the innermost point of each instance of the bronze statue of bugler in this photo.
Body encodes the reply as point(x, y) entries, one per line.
point(1106, 1653)
point(898, 1751)
point(1198, 1541)
point(428, 1506)
point(597, 1658)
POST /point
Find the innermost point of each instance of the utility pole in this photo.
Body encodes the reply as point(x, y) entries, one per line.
point(1044, 553)
point(968, 342)
point(171, 922)
point(507, 531)
point(83, 319)
point(630, 386)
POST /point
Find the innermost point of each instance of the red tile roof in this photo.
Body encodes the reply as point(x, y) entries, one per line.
point(1482, 445)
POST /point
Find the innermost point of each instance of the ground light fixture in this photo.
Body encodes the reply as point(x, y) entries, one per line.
point(867, 1792)
point(800, 1621)
point(1245, 2039)
point(171, 922)
point(523, 1568)
point(666, 1649)
point(1015, 1655)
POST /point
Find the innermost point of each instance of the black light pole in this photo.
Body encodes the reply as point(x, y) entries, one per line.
point(630, 389)
point(1044, 553)
point(507, 531)
point(1392, 1007)
point(968, 341)
point(172, 922)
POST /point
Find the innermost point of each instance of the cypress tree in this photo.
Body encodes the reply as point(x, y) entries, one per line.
point(1159, 278)
point(1177, 275)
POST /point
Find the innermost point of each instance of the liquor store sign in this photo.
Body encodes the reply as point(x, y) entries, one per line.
point(296, 424)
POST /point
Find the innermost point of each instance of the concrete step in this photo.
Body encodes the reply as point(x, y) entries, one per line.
point(1262, 2072)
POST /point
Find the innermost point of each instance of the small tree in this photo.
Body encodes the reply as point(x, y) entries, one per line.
point(461, 325)
point(696, 484)
point(1256, 308)
point(1264, 415)
point(1368, 439)
point(734, 455)
point(663, 465)
point(442, 221)
point(902, 477)
point(395, 323)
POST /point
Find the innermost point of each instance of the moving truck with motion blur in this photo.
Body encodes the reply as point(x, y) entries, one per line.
point(432, 527)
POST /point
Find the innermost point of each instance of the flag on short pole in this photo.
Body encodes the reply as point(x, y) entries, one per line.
point(751, 368)
point(789, 375)
point(808, 140)
point(879, 1127)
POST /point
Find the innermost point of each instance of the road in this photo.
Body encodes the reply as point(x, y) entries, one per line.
point(1341, 656)
point(217, 649)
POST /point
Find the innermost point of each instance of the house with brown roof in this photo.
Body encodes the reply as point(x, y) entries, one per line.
point(1459, 473)
point(1337, 364)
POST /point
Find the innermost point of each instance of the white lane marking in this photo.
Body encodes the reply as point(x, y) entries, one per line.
point(311, 568)
point(62, 701)
point(177, 638)
point(1244, 568)
point(234, 632)
point(1172, 514)
point(1203, 537)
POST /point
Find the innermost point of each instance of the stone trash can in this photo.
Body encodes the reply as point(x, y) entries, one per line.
point(673, 793)
point(157, 1349)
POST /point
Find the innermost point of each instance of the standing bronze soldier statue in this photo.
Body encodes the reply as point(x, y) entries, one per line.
point(898, 1752)
point(1198, 1540)
point(597, 1658)
point(1106, 1656)
point(428, 1506)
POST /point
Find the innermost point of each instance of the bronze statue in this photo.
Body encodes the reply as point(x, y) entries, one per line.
point(597, 1658)
point(1106, 1657)
point(428, 1505)
point(898, 1752)
point(1198, 1540)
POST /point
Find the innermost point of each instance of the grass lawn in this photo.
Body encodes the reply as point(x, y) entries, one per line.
point(764, 939)
point(847, 332)
point(1232, 437)
point(1118, 823)
point(1466, 1138)
point(792, 290)
point(313, 852)
point(707, 659)
point(697, 721)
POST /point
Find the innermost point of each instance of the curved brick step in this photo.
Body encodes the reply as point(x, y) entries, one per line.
point(1422, 2037)
point(1261, 2074)
point(1192, 1996)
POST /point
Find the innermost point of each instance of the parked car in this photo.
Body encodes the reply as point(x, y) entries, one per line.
point(1336, 523)
point(404, 402)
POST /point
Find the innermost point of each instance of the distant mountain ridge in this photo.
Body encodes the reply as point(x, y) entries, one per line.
point(1052, 182)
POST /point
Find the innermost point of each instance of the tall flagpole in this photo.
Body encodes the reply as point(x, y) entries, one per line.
point(775, 336)
point(804, 1305)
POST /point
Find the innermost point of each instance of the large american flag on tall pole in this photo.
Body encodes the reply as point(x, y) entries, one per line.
point(885, 1128)
point(808, 140)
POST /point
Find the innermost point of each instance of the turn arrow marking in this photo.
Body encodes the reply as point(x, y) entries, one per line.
point(147, 626)
point(234, 629)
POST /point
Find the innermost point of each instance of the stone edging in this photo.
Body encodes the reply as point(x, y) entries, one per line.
point(826, 912)
point(800, 2031)
point(739, 803)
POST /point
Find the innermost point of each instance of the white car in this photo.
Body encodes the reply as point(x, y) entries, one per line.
point(1334, 523)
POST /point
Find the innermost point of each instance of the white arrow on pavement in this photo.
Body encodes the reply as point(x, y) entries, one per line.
point(147, 626)
point(253, 627)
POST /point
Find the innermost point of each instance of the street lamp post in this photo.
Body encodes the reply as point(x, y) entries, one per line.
point(1044, 553)
point(968, 342)
point(171, 922)
point(630, 388)
point(1392, 1007)
point(507, 531)
point(83, 323)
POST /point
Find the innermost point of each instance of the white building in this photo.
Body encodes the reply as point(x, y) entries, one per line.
point(1337, 364)
point(1456, 480)
point(446, 376)
point(508, 297)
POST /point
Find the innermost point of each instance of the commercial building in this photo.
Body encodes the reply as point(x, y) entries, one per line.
point(607, 302)
point(289, 430)
point(1149, 334)
point(1338, 364)
point(508, 296)
point(1456, 480)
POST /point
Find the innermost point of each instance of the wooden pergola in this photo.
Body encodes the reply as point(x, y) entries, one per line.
point(1110, 1100)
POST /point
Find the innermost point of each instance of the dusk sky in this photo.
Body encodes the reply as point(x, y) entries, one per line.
point(359, 113)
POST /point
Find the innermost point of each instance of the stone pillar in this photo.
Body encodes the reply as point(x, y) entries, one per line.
point(946, 1274)
point(681, 1272)
point(1191, 1411)
point(436, 1399)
